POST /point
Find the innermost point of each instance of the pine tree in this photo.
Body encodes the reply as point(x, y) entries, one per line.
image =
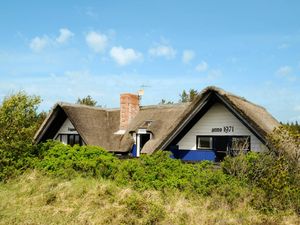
point(88, 100)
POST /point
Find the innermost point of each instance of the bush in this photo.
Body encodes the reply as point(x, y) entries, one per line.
point(273, 176)
point(11, 164)
point(18, 122)
point(158, 171)
point(269, 181)
point(286, 142)
point(64, 160)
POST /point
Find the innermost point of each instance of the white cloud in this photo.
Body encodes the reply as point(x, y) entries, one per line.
point(125, 56)
point(214, 74)
point(162, 50)
point(64, 36)
point(286, 72)
point(202, 67)
point(297, 108)
point(187, 56)
point(96, 41)
point(233, 60)
point(283, 46)
point(91, 13)
point(37, 44)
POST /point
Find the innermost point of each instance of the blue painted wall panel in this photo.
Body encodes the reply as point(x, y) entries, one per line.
point(193, 155)
point(134, 150)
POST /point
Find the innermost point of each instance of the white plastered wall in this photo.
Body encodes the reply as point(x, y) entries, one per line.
point(218, 116)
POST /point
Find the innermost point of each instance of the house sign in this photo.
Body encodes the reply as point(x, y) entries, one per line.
point(225, 129)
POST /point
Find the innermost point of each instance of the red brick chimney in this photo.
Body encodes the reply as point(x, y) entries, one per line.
point(129, 108)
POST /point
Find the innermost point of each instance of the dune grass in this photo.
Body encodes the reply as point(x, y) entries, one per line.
point(34, 198)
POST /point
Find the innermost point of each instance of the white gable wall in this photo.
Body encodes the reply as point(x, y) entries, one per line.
point(218, 116)
point(66, 128)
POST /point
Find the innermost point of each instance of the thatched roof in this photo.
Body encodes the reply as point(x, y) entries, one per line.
point(254, 114)
point(159, 120)
point(255, 117)
point(97, 126)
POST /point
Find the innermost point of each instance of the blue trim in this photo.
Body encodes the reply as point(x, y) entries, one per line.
point(134, 150)
point(193, 155)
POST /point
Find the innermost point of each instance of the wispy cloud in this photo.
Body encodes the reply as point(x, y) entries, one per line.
point(90, 12)
point(96, 41)
point(187, 56)
point(73, 85)
point(124, 56)
point(163, 50)
point(297, 108)
point(283, 46)
point(233, 60)
point(202, 67)
point(64, 35)
point(286, 72)
point(214, 74)
point(37, 44)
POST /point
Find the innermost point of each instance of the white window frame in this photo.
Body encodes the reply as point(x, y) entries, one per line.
point(198, 147)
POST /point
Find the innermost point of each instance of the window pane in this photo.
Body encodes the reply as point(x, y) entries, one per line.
point(204, 143)
point(77, 139)
point(64, 138)
point(71, 140)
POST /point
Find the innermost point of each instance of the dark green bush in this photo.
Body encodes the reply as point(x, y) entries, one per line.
point(12, 164)
point(64, 160)
point(158, 171)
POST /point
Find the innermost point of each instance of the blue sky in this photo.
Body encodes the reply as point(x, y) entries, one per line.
point(62, 50)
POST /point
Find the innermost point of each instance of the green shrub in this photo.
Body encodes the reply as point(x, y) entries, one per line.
point(64, 160)
point(12, 164)
point(18, 122)
point(158, 171)
point(275, 176)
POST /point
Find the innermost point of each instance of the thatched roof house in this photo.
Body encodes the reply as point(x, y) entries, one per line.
point(215, 123)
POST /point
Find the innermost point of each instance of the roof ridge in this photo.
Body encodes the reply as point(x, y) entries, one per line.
point(166, 105)
point(223, 92)
point(85, 106)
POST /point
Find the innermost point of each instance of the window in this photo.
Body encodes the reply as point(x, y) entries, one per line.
point(204, 142)
point(70, 139)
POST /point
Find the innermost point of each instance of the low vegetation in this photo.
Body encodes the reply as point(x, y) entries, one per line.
point(36, 198)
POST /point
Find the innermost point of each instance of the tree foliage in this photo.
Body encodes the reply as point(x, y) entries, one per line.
point(185, 96)
point(165, 102)
point(19, 121)
point(18, 118)
point(188, 96)
point(88, 100)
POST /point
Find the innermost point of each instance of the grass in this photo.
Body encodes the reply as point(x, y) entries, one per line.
point(34, 198)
